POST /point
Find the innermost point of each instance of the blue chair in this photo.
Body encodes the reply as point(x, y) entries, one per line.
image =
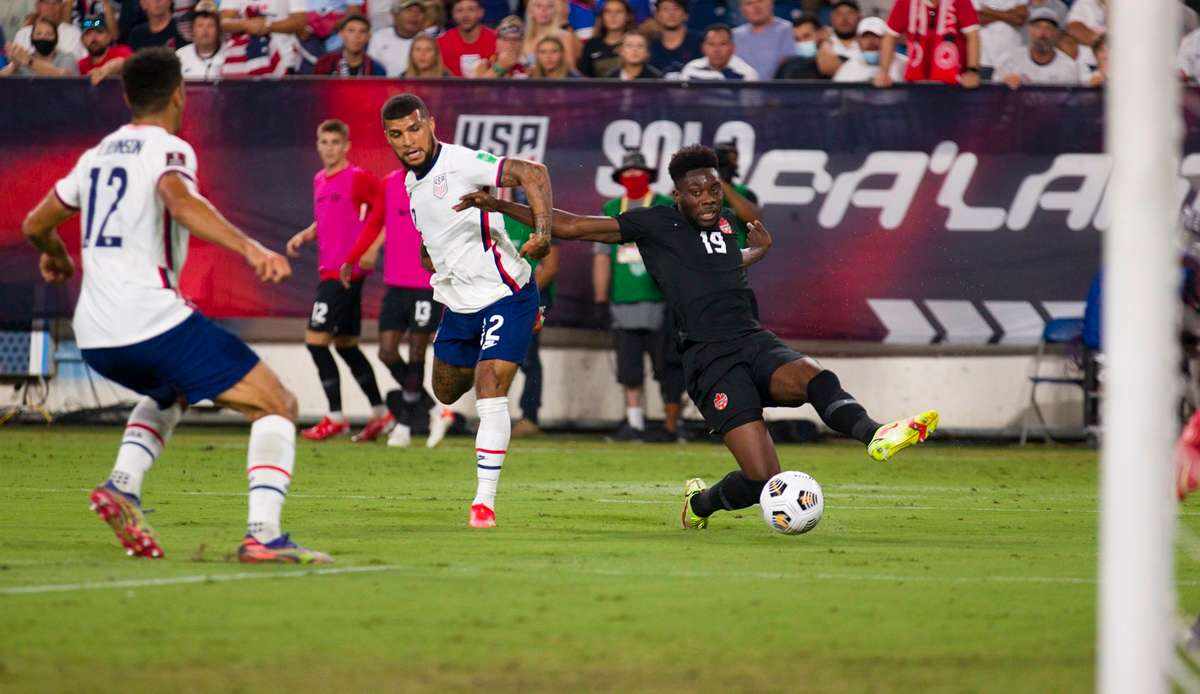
point(1067, 332)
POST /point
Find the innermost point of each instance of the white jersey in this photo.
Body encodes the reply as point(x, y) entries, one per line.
point(475, 263)
point(132, 250)
point(1060, 70)
point(198, 68)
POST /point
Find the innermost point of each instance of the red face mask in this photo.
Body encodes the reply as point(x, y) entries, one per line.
point(637, 183)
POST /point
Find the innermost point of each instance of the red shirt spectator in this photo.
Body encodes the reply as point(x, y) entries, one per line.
point(469, 42)
point(114, 52)
point(935, 31)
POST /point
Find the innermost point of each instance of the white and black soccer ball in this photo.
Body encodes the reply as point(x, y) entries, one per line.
point(792, 503)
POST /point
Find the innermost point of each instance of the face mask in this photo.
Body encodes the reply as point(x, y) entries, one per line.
point(44, 47)
point(871, 57)
point(806, 49)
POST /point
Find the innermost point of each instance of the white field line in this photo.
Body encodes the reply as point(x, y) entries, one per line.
point(182, 580)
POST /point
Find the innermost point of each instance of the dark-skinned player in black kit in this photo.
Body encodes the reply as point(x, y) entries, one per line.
point(733, 367)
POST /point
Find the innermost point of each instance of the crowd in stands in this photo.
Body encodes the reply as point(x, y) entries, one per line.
point(883, 42)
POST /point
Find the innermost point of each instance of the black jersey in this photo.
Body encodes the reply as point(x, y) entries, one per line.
point(699, 272)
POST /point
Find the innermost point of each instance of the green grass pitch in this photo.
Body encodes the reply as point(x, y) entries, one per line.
point(952, 568)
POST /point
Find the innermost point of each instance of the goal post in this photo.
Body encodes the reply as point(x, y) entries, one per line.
point(1141, 347)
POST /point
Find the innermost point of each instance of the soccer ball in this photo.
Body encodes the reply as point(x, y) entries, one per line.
point(792, 503)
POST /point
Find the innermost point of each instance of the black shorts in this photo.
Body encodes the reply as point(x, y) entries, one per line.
point(337, 310)
point(730, 381)
point(409, 310)
point(630, 346)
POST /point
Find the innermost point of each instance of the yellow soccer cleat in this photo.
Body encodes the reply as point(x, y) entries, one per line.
point(688, 519)
point(892, 438)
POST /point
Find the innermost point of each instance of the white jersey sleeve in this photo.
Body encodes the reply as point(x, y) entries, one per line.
point(479, 168)
point(68, 187)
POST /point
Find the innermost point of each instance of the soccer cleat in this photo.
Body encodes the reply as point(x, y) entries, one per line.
point(688, 519)
point(281, 550)
point(482, 517)
point(540, 321)
point(892, 438)
point(401, 436)
point(525, 427)
point(439, 424)
point(324, 429)
point(124, 515)
point(375, 428)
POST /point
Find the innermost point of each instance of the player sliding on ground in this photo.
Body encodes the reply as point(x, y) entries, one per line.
point(733, 367)
point(487, 287)
point(137, 197)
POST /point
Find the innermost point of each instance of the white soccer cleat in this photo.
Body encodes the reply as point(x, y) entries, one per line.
point(441, 418)
point(401, 437)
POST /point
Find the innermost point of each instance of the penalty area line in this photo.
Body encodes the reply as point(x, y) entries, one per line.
point(185, 580)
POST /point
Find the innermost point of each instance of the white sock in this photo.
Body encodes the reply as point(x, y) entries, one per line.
point(636, 417)
point(491, 443)
point(269, 463)
point(378, 411)
point(337, 416)
point(146, 434)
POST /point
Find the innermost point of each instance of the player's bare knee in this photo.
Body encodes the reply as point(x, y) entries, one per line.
point(317, 339)
point(345, 341)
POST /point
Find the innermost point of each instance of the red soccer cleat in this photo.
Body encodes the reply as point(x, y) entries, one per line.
point(375, 428)
point(326, 428)
point(124, 515)
point(540, 321)
point(482, 517)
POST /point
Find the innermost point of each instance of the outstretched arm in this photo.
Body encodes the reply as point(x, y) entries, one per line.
point(759, 244)
point(40, 227)
point(563, 225)
point(204, 221)
point(534, 179)
point(743, 207)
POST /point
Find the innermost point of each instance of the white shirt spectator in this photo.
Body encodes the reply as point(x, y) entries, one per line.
point(857, 69)
point(1189, 56)
point(999, 39)
point(1061, 70)
point(390, 50)
point(70, 40)
point(1091, 14)
point(274, 11)
point(737, 69)
point(198, 68)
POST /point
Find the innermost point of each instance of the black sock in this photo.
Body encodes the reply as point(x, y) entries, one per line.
point(838, 409)
point(327, 371)
point(397, 368)
point(734, 492)
point(398, 407)
point(414, 381)
point(363, 373)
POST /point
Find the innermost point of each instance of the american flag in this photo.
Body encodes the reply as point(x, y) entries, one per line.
point(252, 56)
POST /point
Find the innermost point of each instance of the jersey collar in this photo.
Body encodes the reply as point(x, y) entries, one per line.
point(423, 171)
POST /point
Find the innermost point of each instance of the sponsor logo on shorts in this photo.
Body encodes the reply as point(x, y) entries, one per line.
point(720, 401)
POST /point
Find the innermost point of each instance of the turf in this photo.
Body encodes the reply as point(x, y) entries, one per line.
point(954, 568)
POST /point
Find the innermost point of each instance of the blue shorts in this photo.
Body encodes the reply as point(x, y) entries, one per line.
point(500, 331)
point(196, 358)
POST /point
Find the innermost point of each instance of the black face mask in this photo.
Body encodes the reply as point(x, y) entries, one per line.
point(44, 47)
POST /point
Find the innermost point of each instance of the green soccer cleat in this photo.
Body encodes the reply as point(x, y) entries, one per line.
point(892, 438)
point(688, 519)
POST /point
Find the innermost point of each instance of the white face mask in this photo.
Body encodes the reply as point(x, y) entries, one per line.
point(806, 49)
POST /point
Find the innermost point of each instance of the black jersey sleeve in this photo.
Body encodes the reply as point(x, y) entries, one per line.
point(638, 224)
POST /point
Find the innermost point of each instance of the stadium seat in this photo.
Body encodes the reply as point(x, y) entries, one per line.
point(26, 363)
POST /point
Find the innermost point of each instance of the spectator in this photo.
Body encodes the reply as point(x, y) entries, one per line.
point(677, 44)
point(843, 44)
point(942, 38)
point(129, 16)
point(635, 54)
point(509, 60)
point(705, 13)
point(70, 38)
point(864, 65)
point(550, 61)
point(1099, 76)
point(322, 33)
point(425, 59)
point(600, 52)
point(44, 60)
point(764, 41)
point(160, 28)
point(469, 41)
point(352, 59)
point(1087, 22)
point(435, 18)
point(737, 197)
point(719, 61)
point(581, 16)
point(390, 46)
point(803, 66)
point(281, 20)
point(84, 9)
point(104, 59)
point(204, 58)
point(1042, 62)
point(545, 18)
point(1002, 22)
point(636, 307)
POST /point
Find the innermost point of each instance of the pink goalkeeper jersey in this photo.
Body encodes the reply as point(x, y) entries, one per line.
point(402, 245)
point(340, 205)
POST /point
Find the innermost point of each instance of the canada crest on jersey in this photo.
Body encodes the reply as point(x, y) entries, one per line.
point(725, 227)
point(440, 187)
